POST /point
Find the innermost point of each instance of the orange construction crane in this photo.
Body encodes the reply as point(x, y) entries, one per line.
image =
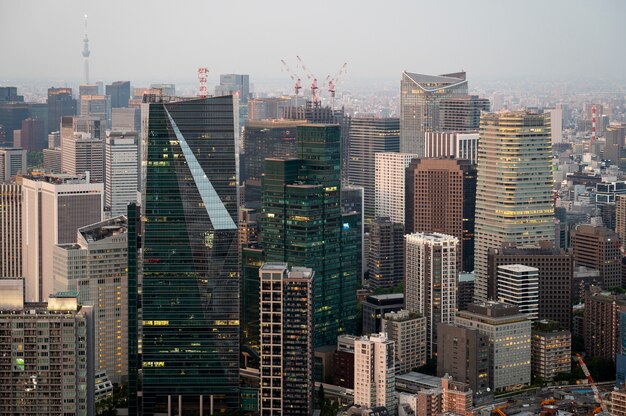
point(596, 392)
point(498, 410)
point(547, 402)
point(311, 78)
point(297, 86)
point(333, 81)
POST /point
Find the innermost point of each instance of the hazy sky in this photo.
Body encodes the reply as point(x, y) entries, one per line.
point(162, 40)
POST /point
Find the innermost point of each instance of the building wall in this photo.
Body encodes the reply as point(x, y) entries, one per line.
point(390, 185)
point(10, 230)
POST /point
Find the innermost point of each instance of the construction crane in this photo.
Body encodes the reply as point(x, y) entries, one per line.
point(596, 392)
point(297, 86)
point(313, 80)
point(331, 82)
point(498, 410)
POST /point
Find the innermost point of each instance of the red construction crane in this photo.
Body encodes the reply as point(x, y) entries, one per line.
point(297, 86)
point(311, 78)
point(587, 374)
point(331, 82)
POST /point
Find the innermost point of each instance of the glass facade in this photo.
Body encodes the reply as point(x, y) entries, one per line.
point(190, 286)
point(302, 225)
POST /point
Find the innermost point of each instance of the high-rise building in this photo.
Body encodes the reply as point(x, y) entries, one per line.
point(598, 248)
point(54, 207)
point(9, 94)
point(126, 119)
point(33, 135)
point(46, 354)
point(251, 261)
point(385, 260)
point(451, 144)
point(302, 224)
point(602, 323)
point(431, 280)
point(556, 271)
point(618, 402)
point(286, 340)
point(352, 203)
point(456, 398)
point(508, 333)
point(614, 136)
point(390, 190)
point(268, 108)
point(620, 218)
point(441, 198)
point(190, 290)
point(10, 230)
point(82, 153)
point(87, 89)
point(52, 160)
point(121, 171)
point(556, 124)
point(119, 91)
point(461, 112)
point(234, 84)
point(375, 307)
point(369, 136)
point(91, 125)
point(551, 347)
point(514, 186)
point(420, 97)
point(519, 285)
point(12, 162)
point(463, 354)
point(11, 116)
point(60, 104)
point(97, 106)
point(408, 331)
point(343, 362)
point(96, 268)
point(167, 90)
point(374, 372)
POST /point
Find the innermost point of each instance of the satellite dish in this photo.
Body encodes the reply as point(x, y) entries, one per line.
point(488, 389)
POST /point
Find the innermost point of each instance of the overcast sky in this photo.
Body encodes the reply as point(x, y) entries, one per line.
point(164, 40)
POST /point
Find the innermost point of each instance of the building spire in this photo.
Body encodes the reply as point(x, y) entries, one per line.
point(86, 53)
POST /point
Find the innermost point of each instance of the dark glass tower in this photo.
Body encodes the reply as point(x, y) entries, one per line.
point(302, 225)
point(190, 290)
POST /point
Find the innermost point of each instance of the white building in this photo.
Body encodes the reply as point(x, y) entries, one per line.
point(390, 184)
point(509, 334)
point(431, 280)
point(408, 331)
point(556, 124)
point(451, 144)
point(121, 172)
point(519, 285)
point(82, 153)
point(374, 372)
point(12, 162)
point(54, 207)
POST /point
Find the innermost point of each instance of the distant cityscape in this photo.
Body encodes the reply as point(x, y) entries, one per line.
point(298, 247)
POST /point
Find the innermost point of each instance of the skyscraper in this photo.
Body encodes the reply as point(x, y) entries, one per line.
point(119, 91)
point(368, 136)
point(431, 280)
point(461, 113)
point(420, 97)
point(302, 224)
point(60, 104)
point(598, 248)
point(441, 198)
point(33, 135)
point(121, 171)
point(96, 105)
point(408, 331)
point(451, 144)
point(190, 293)
point(10, 230)
point(54, 207)
point(514, 185)
point(374, 372)
point(82, 153)
point(238, 84)
point(390, 185)
point(12, 162)
point(519, 285)
point(385, 260)
point(286, 340)
point(602, 323)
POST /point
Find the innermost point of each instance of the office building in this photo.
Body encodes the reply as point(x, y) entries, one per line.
point(234, 84)
point(420, 97)
point(33, 135)
point(390, 185)
point(451, 144)
point(9, 94)
point(618, 402)
point(46, 364)
point(602, 323)
point(93, 126)
point(461, 112)
point(620, 358)
point(88, 89)
point(302, 224)
point(385, 259)
point(598, 248)
point(431, 280)
point(11, 116)
point(12, 163)
point(556, 277)
point(248, 227)
point(620, 218)
point(96, 106)
point(52, 160)
point(369, 136)
point(343, 361)
point(10, 230)
point(96, 268)
point(408, 331)
point(556, 124)
point(456, 397)
point(54, 138)
point(54, 207)
point(441, 198)
point(551, 348)
point(519, 285)
point(465, 293)
point(81, 153)
point(268, 108)
point(190, 269)
point(376, 306)
point(508, 333)
point(60, 104)
point(286, 340)
point(514, 164)
point(614, 137)
point(166, 90)
point(374, 372)
point(119, 91)
point(121, 171)
point(463, 354)
point(251, 261)
point(352, 203)
point(126, 119)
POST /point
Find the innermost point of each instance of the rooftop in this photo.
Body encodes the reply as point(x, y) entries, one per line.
point(104, 229)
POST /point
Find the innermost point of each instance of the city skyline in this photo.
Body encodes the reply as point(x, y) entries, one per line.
point(364, 32)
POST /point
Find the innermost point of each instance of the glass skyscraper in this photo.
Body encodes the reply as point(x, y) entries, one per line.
point(302, 225)
point(190, 275)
